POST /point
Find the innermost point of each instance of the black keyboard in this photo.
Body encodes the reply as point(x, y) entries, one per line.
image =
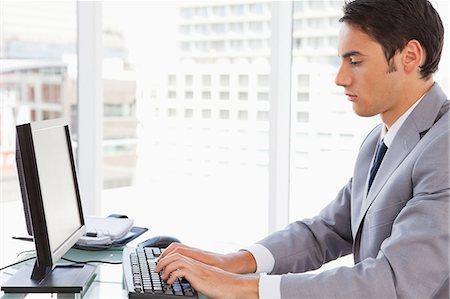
point(141, 281)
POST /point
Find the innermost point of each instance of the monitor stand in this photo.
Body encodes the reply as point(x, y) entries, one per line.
point(62, 279)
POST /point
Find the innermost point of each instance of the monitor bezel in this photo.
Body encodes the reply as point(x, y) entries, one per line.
point(32, 196)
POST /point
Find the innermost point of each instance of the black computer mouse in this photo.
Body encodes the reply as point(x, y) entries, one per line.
point(159, 241)
point(118, 216)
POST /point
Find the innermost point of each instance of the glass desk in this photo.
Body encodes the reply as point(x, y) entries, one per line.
point(107, 282)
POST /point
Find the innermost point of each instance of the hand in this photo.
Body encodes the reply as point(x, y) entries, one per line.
point(206, 279)
point(239, 262)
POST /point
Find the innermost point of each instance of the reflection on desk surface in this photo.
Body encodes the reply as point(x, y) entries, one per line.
point(106, 285)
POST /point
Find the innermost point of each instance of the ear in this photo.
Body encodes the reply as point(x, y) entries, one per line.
point(413, 56)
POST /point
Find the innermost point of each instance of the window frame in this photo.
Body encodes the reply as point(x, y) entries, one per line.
point(90, 105)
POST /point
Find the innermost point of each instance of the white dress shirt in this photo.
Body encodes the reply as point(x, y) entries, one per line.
point(269, 285)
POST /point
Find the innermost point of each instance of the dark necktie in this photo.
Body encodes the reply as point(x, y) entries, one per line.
point(381, 151)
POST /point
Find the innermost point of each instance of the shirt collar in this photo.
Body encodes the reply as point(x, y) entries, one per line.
point(388, 135)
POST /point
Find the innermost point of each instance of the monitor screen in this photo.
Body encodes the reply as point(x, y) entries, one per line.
point(57, 182)
point(52, 203)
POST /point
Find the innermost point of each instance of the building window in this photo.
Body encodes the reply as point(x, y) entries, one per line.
point(188, 95)
point(243, 80)
point(188, 113)
point(206, 113)
point(30, 93)
point(243, 115)
point(243, 96)
point(263, 96)
point(302, 117)
point(206, 95)
point(51, 93)
point(302, 97)
point(172, 94)
point(303, 81)
point(172, 80)
point(224, 114)
point(224, 95)
point(263, 80)
point(224, 80)
point(206, 80)
point(172, 112)
point(262, 115)
point(189, 80)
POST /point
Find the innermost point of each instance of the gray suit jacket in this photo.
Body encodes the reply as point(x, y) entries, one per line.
point(398, 232)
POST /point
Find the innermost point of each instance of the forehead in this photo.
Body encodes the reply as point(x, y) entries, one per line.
point(352, 39)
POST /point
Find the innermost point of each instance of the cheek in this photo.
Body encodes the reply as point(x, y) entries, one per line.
point(371, 89)
point(374, 84)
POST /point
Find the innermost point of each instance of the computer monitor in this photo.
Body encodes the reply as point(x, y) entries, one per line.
point(52, 206)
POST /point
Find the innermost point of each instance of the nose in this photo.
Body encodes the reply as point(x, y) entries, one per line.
point(342, 77)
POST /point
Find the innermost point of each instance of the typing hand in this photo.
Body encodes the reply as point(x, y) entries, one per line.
point(206, 279)
point(206, 257)
point(239, 262)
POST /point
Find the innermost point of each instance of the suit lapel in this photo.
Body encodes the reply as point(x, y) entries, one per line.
point(406, 139)
point(420, 120)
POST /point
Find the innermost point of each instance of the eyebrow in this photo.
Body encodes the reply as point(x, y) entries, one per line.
point(351, 53)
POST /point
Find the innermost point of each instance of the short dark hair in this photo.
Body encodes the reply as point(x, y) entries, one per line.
point(393, 23)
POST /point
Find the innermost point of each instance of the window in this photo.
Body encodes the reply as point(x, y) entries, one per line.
point(243, 80)
point(189, 80)
point(262, 115)
point(206, 113)
point(172, 80)
point(206, 95)
point(237, 9)
point(263, 80)
point(224, 114)
point(236, 27)
point(263, 96)
point(192, 146)
point(302, 117)
point(243, 96)
point(172, 94)
point(189, 95)
point(224, 95)
point(38, 59)
point(51, 93)
point(188, 113)
point(302, 97)
point(224, 80)
point(172, 112)
point(206, 80)
point(243, 115)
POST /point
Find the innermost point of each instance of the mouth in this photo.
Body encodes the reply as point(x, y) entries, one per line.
point(350, 96)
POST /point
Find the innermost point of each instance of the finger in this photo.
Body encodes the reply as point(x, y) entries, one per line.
point(169, 264)
point(178, 263)
point(174, 267)
point(191, 252)
point(171, 248)
point(163, 262)
point(175, 275)
point(183, 267)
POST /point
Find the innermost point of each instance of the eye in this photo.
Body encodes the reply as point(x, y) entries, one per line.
point(354, 61)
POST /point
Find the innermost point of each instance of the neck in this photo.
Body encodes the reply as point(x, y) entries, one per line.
point(410, 97)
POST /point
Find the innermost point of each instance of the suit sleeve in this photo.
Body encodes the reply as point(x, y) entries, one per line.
point(308, 244)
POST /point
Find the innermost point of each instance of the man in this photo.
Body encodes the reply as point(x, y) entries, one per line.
point(392, 216)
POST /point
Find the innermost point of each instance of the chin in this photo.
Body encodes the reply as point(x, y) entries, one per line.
point(363, 113)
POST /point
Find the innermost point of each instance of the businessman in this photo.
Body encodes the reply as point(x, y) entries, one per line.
point(393, 213)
